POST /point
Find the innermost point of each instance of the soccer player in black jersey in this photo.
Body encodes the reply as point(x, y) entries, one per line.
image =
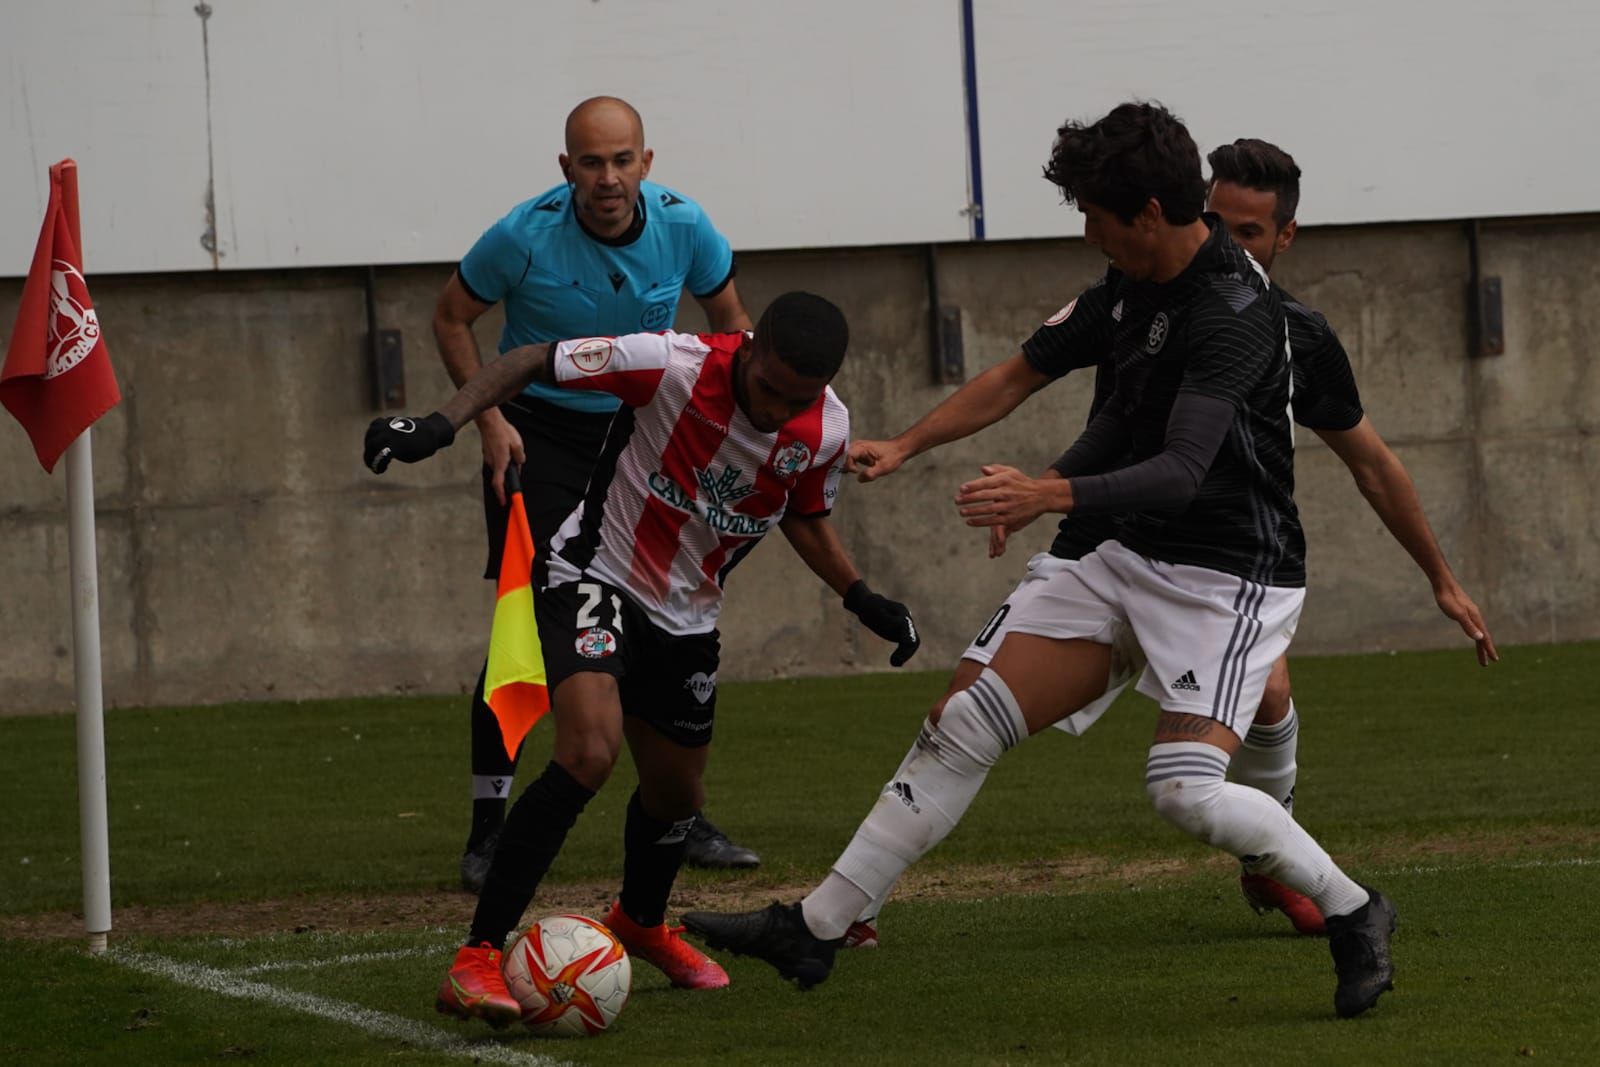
point(1191, 447)
point(1255, 190)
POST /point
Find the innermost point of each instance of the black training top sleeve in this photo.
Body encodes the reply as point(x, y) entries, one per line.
point(1196, 429)
point(1325, 395)
point(1077, 336)
point(1103, 443)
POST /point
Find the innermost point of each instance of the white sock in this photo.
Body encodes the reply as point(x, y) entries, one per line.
point(1266, 761)
point(1186, 781)
point(927, 797)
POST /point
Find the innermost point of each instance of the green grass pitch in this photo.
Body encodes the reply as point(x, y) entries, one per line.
point(1063, 922)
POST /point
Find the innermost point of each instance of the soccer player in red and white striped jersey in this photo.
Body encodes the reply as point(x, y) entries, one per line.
point(720, 438)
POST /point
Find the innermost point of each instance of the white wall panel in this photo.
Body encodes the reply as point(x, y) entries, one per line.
point(1395, 109)
point(371, 131)
point(118, 85)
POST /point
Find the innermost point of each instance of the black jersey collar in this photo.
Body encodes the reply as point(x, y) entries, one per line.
point(621, 240)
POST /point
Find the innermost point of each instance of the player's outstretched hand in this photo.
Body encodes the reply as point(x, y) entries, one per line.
point(406, 439)
point(889, 619)
point(871, 460)
point(1455, 603)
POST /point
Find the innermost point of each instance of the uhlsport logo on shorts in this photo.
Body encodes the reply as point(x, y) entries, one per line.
point(791, 459)
point(592, 356)
point(74, 327)
point(702, 685)
point(596, 643)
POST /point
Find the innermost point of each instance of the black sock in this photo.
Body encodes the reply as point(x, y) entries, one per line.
point(490, 768)
point(653, 854)
point(532, 835)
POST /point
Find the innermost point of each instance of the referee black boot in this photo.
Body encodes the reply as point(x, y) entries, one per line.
point(708, 847)
point(777, 934)
point(1360, 946)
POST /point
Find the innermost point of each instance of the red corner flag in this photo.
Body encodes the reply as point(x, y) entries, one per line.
point(57, 378)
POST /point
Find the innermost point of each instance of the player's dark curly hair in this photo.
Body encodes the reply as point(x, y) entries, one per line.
point(806, 332)
point(1262, 166)
point(1137, 152)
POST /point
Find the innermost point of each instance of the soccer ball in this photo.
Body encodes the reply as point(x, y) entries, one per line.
point(570, 974)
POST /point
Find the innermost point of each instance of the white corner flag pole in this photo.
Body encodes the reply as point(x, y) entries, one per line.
point(93, 834)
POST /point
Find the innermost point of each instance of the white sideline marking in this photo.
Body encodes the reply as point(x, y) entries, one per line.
point(377, 1023)
point(1522, 865)
point(334, 961)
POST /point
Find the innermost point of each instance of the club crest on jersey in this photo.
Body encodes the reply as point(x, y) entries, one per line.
point(714, 505)
point(1063, 315)
point(656, 317)
point(791, 459)
point(1158, 333)
point(596, 643)
point(591, 356)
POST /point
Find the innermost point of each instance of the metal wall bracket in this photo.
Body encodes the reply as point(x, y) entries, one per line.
point(948, 354)
point(385, 355)
point(1488, 324)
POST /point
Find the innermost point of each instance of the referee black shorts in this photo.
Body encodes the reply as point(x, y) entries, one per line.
point(561, 446)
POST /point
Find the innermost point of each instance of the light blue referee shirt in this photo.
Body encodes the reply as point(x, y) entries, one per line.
point(560, 281)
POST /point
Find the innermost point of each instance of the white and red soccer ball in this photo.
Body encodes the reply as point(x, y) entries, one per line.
point(570, 974)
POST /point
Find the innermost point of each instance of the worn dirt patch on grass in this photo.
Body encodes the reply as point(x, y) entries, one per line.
point(423, 909)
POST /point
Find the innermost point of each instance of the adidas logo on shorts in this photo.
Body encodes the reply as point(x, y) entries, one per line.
point(1186, 681)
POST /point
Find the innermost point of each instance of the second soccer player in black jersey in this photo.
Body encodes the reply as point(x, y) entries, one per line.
point(1206, 567)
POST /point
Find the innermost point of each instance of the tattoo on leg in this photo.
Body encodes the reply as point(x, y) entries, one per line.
point(1173, 724)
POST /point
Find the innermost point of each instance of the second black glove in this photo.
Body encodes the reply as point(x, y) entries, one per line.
point(889, 619)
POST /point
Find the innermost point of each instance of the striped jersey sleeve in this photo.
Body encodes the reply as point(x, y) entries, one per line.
point(1325, 394)
point(1077, 336)
point(628, 367)
point(815, 490)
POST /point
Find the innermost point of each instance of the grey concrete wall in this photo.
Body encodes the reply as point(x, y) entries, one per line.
point(246, 553)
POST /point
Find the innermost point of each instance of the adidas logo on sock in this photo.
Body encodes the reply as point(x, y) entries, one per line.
point(1186, 681)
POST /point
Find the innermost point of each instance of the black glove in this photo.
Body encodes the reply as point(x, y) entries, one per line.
point(889, 619)
point(405, 439)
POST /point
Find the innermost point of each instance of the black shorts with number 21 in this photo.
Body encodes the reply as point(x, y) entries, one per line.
point(669, 681)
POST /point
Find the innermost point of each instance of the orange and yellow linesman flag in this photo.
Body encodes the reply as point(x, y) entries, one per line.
point(515, 686)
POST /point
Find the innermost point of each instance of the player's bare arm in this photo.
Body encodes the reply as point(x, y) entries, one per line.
point(985, 400)
point(411, 440)
point(724, 310)
point(1386, 485)
point(817, 543)
point(453, 315)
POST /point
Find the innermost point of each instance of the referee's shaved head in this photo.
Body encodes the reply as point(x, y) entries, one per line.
point(605, 162)
point(609, 116)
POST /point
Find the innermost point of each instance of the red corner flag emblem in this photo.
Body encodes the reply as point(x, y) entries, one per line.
point(57, 378)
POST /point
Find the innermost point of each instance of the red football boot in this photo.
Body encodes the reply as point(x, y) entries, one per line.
point(664, 947)
point(475, 988)
point(1264, 895)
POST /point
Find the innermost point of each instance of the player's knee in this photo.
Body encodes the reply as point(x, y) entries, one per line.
point(1275, 698)
point(1184, 782)
point(588, 756)
point(975, 726)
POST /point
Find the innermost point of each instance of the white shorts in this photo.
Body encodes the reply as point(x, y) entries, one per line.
point(1209, 638)
point(1127, 658)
